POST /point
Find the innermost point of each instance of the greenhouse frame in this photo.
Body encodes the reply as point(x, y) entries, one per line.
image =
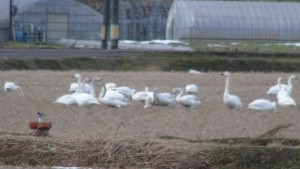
point(234, 20)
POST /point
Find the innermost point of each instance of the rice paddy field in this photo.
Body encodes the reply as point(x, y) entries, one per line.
point(211, 120)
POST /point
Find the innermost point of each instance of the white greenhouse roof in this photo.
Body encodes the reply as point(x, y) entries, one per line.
point(233, 19)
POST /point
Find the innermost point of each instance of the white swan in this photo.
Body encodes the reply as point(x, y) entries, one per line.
point(263, 105)
point(126, 91)
point(232, 101)
point(142, 95)
point(111, 94)
point(286, 101)
point(160, 99)
point(290, 85)
point(69, 99)
point(11, 86)
point(275, 89)
point(82, 86)
point(149, 100)
point(186, 100)
point(74, 86)
point(191, 88)
point(111, 101)
point(85, 99)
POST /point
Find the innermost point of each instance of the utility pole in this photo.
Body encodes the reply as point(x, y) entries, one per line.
point(11, 20)
point(114, 28)
point(105, 25)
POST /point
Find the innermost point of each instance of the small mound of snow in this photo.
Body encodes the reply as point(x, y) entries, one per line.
point(157, 45)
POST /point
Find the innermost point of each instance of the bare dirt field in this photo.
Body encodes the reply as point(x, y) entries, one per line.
point(212, 119)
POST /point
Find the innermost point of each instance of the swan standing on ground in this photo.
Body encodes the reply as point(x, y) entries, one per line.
point(263, 105)
point(230, 100)
point(11, 86)
point(191, 89)
point(186, 100)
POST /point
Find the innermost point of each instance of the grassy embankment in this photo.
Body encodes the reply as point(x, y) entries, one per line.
point(241, 57)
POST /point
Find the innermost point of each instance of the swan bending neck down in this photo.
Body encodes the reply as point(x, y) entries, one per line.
point(186, 100)
point(230, 100)
point(263, 105)
point(11, 86)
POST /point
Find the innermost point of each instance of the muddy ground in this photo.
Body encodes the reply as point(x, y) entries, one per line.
point(212, 119)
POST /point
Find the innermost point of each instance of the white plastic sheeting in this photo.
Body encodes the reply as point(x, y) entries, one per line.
point(233, 20)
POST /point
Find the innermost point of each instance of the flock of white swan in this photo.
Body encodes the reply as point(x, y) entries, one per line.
point(111, 95)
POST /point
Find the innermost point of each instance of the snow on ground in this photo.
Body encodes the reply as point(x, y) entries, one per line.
point(157, 45)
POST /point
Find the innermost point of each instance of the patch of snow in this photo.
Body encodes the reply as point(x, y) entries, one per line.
point(193, 71)
point(215, 45)
point(292, 44)
point(157, 45)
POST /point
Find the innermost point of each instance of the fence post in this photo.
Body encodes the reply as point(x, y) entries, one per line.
point(105, 25)
point(114, 28)
point(11, 20)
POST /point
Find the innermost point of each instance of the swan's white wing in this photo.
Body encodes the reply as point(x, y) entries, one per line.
point(68, 99)
point(286, 101)
point(139, 96)
point(261, 105)
point(164, 99)
point(233, 102)
point(85, 99)
point(189, 101)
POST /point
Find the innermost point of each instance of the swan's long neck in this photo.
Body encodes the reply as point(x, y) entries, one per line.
point(274, 104)
point(79, 85)
point(290, 82)
point(226, 91)
point(147, 102)
point(20, 90)
point(92, 90)
point(180, 93)
point(279, 81)
point(103, 91)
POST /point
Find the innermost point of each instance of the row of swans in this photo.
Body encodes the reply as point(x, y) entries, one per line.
point(283, 93)
point(169, 99)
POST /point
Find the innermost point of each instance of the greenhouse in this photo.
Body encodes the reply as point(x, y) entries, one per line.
point(51, 20)
point(234, 20)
